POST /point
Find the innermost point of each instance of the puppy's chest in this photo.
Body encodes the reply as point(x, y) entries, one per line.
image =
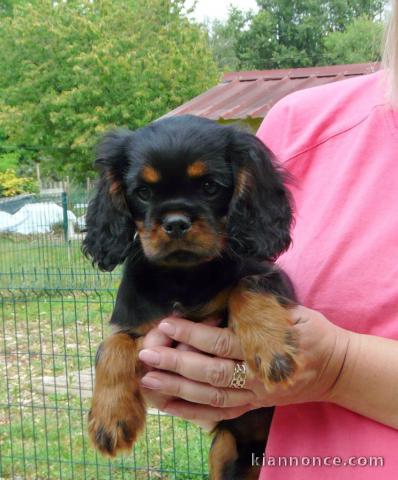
point(146, 296)
point(147, 311)
point(217, 304)
point(148, 300)
point(194, 302)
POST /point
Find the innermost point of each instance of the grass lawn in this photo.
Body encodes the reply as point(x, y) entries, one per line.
point(54, 310)
point(47, 261)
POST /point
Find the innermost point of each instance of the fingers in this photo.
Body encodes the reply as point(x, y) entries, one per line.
point(212, 320)
point(156, 399)
point(220, 342)
point(176, 386)
point(192, 365)
point(155, 338)
point(197, 413)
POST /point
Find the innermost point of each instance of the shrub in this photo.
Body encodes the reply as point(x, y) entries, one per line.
point(11, 185)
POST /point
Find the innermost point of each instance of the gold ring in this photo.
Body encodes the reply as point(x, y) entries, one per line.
point(239, 376)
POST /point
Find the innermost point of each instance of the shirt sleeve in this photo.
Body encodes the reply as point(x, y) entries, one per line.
point(274, 130)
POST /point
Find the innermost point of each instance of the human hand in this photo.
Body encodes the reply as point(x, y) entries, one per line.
point(195, 384)
point(156, 338)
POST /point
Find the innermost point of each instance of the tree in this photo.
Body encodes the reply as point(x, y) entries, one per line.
point(360, 42)
point(73, 69)
point(223, 38)
point(292, 33)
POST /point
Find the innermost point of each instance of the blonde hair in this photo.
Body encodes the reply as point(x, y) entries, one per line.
point(390, 54)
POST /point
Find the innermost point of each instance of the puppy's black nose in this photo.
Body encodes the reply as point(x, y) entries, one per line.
point(176, 225)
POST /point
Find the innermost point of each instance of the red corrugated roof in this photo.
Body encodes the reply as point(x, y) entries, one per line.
point(251, 94)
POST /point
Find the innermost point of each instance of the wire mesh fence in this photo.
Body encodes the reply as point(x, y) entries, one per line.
point(44, 232)
point(54, 310)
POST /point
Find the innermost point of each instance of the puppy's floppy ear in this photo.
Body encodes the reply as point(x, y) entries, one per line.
point(110, 228)
point(260, 213)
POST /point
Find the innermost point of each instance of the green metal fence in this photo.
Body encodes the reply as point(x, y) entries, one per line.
point(54, 309)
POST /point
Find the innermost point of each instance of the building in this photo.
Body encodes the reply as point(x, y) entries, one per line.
point(247, 96)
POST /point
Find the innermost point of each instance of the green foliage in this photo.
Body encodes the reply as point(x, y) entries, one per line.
point(8, 160)
point(223, 39)
point(11, 185)
point(71, 70)
point(295, 33)
point(6, 7)
point(18, 158)
point(358, 43)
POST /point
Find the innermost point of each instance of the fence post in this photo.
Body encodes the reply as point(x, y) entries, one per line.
point(38, 176)
point(65, 214)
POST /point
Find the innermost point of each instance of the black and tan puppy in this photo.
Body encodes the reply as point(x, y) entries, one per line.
point(197, 212)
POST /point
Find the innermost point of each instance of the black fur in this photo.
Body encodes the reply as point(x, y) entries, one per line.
point(259, 220)
point(242, 228)
point(110, 227)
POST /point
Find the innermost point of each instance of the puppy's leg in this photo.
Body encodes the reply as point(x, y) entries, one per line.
point(237, 449)
point(118, 409)
point(263, 326)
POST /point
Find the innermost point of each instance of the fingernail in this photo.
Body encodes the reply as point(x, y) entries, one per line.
point(150, 357)
point(167, 328)
point(150, 382)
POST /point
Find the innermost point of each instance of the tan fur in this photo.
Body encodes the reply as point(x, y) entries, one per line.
point(118, 409)
point(223, 451)
point(200, 238)
point(115, 186)
point(215, 305)
point(150, 174)
point(263, 327)
point(242, 182)
point(197, 169)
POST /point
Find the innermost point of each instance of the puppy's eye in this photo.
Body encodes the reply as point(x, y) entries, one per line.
point(210, 188)
point(143, 193)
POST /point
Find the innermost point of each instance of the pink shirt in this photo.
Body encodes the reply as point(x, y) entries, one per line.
point(340, 142)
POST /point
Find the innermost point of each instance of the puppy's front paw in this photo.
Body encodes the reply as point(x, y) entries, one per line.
point(272, 358)
point(115, 420)
point(265, 331)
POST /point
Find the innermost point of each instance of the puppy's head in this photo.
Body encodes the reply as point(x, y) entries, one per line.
point(185, 190)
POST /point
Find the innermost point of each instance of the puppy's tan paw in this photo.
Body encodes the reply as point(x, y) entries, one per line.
point(114, 425)
point(266, 334)
point(272, 359)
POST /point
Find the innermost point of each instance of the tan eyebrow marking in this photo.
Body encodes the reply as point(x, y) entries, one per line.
point(197, 169)
point(150, 174)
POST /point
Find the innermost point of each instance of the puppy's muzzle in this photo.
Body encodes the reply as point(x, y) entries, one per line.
point(176, 225)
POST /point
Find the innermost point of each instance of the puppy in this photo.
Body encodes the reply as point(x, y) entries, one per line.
point(197, 212)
